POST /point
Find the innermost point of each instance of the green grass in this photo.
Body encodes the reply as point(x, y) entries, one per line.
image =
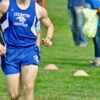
point(61, 84)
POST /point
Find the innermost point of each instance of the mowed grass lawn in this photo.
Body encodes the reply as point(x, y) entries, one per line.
point(61, 84)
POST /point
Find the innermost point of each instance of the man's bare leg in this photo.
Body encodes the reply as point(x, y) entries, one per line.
point(29, 73)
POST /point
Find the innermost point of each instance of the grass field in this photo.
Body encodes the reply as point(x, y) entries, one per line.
point(61, 84)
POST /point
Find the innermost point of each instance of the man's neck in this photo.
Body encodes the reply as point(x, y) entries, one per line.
point(21, 2)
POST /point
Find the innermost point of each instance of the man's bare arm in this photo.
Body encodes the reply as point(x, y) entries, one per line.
point(43, 16)
point(3, 8)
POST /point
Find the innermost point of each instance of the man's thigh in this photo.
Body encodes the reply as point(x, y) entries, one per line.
point(29, 73)
point(13, 83)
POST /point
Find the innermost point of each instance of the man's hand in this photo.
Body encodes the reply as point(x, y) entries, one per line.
point(2, 50)
point(47, 42)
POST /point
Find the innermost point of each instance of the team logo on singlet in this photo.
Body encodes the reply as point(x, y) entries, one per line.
point(21, 19)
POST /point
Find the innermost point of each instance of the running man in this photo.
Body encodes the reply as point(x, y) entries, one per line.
point(20, 56)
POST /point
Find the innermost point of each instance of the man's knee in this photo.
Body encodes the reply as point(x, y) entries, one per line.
point(14, 96)
point(97, 40)
point(28, 87)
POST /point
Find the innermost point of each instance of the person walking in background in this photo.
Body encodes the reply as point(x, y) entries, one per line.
point(20, 56)
point(95, 4)
point(77, 21)
point(39, 1)
point(1, 41)
point(38, 28)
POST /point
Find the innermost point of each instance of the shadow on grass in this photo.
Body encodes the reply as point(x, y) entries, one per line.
point(68, 61)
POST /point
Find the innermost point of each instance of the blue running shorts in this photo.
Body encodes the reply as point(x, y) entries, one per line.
point(16, 57)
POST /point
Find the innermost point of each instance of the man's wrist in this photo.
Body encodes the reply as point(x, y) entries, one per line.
point(48, 37)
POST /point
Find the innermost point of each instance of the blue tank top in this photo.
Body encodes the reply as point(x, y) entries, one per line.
point(19, 26)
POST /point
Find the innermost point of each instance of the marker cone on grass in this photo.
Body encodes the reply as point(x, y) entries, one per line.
point(51, 67)
point(80, 73)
